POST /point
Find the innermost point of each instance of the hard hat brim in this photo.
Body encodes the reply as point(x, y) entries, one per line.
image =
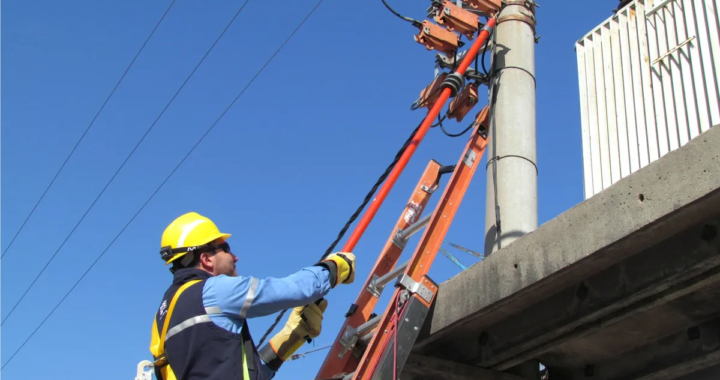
point(212, 238)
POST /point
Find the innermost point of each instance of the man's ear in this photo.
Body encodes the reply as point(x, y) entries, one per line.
point(206, 259)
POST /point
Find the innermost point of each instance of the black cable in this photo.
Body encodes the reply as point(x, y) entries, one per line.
point(440, 120)
point(168, 178)
point(521, 69)
point(88, 127)
point(491, 114)
point(440, 123)
point(124, 162)
point(370, 194)
point(457, 134)
point(354, 216)
point(487, 43)
point(477, 58)
point(498, 158)
point(272, 327)
point(408, 19)
point(483, 59)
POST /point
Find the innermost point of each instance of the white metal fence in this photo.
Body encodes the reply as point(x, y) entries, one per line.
point(648, 84)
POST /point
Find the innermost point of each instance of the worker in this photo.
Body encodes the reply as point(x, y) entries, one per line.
point(200, 330)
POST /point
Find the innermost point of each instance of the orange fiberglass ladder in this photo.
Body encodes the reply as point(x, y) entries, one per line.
point(359, 351)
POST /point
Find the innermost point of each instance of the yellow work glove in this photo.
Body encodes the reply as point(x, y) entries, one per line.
point(304, 323)
point(341, 266)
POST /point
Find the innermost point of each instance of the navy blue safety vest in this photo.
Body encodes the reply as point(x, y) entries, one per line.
point(195, 347)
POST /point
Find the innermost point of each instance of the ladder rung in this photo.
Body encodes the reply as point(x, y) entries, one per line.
point(365, 339)
point(402, 236)
point(368, 326)
point(352, 335)
point(377, 284)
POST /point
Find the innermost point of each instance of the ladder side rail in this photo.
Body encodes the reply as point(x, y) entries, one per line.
point(443, 215)
point(337, 360)
point(415, 290)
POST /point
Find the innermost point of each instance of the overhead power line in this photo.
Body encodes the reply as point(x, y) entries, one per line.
point(88, 127)
point(165, 181)
point(126, 160)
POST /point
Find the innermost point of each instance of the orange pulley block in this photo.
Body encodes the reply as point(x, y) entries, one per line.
point(463, 102)
point(456, 19)
point(435, 37)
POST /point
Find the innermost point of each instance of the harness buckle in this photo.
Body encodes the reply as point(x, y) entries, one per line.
point(160, 361)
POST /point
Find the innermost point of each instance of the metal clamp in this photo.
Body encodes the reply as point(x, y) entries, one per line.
point(398, 239)
point(524, 3)
point(377, 284)
point(427, 189)
point(374, 287)
point(351, 334)
point(401, 236)
point(348, 340)
point(528, 19)
point(415, 287)
point(446, 62)
point(529, 4)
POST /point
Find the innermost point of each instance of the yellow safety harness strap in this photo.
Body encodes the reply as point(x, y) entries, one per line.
point(246, 374)
point(157, 347)
point(159, 351)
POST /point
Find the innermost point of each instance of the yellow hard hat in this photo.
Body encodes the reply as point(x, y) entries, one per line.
point(187, 233)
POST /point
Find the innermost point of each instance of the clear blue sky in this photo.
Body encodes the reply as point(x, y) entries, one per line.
point(282, 171)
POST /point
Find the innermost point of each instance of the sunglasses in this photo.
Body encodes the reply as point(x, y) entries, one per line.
point(224, 246)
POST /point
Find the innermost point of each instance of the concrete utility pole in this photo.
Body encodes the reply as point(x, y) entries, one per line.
point(511, 204)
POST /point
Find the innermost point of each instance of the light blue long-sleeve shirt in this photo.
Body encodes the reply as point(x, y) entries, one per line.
point(237, 298)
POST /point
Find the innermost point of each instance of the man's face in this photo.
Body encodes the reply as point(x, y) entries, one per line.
point(224, 262)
